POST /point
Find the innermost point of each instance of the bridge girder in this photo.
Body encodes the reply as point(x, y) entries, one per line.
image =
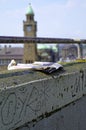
point(19, 40)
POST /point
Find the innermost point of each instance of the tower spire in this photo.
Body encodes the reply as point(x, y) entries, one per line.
point(30, 10)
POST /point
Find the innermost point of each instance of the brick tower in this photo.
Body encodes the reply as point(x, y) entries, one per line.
point(30, 29)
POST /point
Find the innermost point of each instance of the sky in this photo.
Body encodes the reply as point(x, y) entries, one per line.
point(55, 18)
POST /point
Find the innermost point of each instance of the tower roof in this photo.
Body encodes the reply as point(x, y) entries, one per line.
point(30, 10)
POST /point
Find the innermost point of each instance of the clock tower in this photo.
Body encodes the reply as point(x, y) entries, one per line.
point(30, 29)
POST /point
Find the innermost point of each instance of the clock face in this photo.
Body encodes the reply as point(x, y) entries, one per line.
point(29, 28)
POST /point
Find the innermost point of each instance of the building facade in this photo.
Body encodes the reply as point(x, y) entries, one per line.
point(7, 53)
point(69, 51)
point(30, 29)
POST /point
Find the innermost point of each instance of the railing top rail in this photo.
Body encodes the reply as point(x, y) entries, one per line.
point(19, 40)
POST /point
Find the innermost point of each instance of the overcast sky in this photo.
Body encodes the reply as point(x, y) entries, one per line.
point(55, 18)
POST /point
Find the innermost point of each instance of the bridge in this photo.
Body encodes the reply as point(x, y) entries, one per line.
point(40, 40)
point(18, 40)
